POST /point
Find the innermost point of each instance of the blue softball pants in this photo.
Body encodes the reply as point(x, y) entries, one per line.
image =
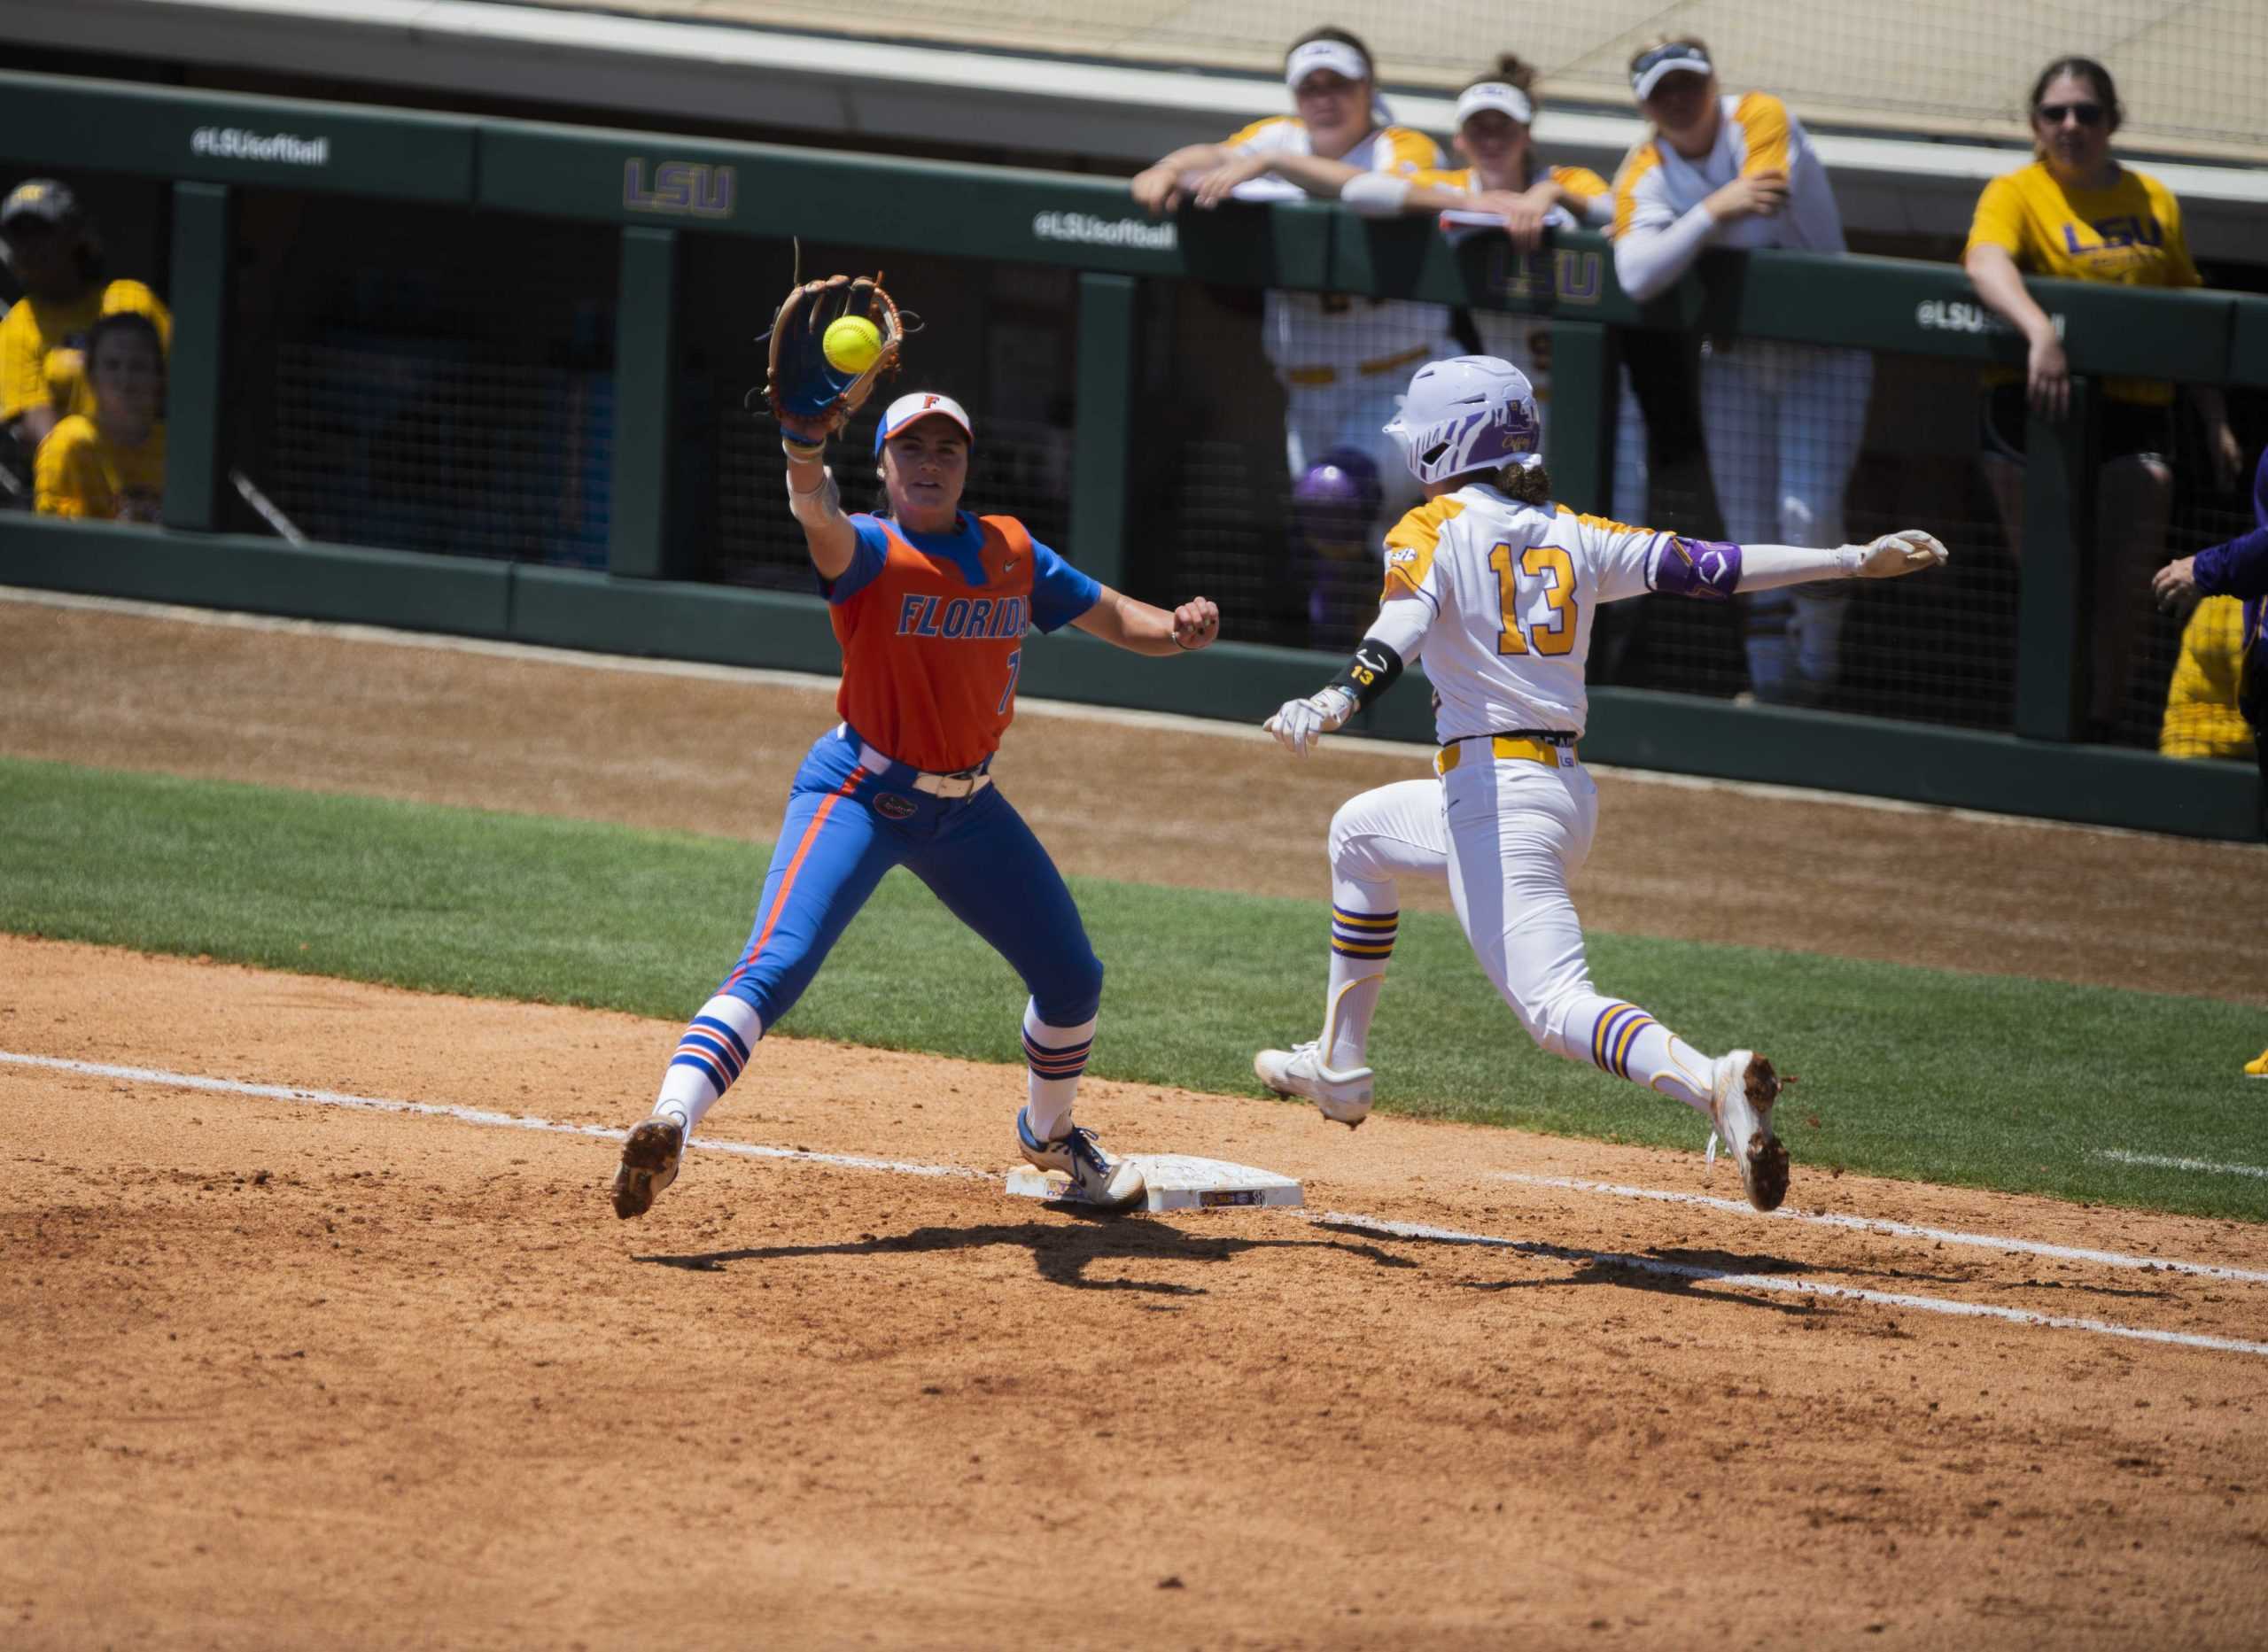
point(849, 821)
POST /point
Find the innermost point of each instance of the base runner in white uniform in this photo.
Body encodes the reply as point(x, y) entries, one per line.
point(1498, 587)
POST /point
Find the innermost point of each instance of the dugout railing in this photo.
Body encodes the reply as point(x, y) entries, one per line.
point(674, 212)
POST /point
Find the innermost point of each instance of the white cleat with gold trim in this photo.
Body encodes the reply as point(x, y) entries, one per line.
point(1343, 1097)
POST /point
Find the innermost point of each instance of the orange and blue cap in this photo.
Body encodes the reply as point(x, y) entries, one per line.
point(922, 404)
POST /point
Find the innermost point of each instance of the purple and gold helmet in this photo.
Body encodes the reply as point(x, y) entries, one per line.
point(1469, 413)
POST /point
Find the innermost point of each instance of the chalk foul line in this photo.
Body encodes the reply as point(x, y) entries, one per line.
point(1656, 1265)
point(1900, 1230)
point(463, 1115)
point(2161, 1161)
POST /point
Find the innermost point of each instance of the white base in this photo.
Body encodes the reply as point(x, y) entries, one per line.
point(1175, 1181)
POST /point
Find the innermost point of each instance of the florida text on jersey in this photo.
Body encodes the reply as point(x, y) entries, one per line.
point(932, 628)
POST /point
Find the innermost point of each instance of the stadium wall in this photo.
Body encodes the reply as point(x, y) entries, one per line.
point(662, 195)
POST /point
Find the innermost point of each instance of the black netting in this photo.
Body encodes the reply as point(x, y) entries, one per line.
point(456, 395)
point(997, 337)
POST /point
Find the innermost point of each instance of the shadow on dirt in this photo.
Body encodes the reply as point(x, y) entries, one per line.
point(1062, 1254)
point(1665, 1272)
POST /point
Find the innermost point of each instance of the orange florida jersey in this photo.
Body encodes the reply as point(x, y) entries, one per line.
point(932, 627)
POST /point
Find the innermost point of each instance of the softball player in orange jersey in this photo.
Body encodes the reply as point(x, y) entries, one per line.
point(931, 606)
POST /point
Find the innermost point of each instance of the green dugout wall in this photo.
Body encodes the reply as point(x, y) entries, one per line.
point(658, 192)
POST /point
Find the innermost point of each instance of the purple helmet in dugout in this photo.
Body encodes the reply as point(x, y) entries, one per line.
point(1336, 504)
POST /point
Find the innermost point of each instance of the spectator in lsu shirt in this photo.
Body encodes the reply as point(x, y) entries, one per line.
point(57, 258)
point(110, 465)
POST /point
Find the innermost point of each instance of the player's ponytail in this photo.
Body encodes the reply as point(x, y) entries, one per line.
point(1513, 72)
point(1531, 486)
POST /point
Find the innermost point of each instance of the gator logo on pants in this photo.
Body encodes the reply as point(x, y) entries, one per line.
point(890, 806)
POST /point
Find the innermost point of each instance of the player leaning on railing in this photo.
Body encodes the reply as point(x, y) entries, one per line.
point(1785, 421)
point(1338, 357)
point(1503, 176)
point(1498, 587)
point(931, 605)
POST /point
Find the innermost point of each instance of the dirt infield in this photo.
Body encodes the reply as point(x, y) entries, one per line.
point(287, 1371)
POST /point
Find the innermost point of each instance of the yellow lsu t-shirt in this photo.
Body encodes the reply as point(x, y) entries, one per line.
point(2200, 716)
point(39, 340)
point(2130, 233)
point(78, 473)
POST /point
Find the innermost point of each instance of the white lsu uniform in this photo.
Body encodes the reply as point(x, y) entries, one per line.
point(1511, 591)
point(1785, 421)
point(1345, 360)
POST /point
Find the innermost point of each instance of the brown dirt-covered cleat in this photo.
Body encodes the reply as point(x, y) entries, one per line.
point(650, 1162)
point(1743, 1091)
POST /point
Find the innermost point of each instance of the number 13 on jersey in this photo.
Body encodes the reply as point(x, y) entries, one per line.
point(1553, 632)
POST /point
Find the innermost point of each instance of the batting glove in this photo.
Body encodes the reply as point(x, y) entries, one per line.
point(1299, 724)
point(1907, 551)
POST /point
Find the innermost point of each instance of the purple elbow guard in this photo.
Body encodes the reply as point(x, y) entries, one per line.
point(1706, 569)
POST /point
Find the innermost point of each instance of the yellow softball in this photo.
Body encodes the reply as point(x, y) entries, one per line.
point(851, 344)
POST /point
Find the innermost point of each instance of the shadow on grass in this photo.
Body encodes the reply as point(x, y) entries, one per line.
point(1062, 1254)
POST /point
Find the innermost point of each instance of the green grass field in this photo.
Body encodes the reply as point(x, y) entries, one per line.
point(1979, 1080)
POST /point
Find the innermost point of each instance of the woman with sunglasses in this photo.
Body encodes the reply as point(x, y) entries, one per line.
point(2075, 212)
point(1736, 169)
point(1343, 360)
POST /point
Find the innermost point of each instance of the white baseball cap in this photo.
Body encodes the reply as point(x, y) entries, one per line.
point(1335, 55)
point(1499, 94)
point(921, 404)
point(1658, 65)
